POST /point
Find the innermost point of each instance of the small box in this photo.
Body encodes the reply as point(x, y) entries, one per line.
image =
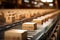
point(43, 18)
point(32, 14)
point(10, 19)
point(29, 26)
point(23, 16)
point(15, 34)
point(18, 16)
point(9, 14)
point(38, 21)
point(42, 12)
point(46, 17)
point(27, 16)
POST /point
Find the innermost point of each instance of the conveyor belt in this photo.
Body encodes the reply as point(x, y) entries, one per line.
point(44, 33)
point(39, 34)
point(4, 27)
point(8, 26)
point(32, 35)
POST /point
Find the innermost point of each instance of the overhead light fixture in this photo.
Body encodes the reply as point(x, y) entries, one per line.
point(49, 0)
point(43, 0)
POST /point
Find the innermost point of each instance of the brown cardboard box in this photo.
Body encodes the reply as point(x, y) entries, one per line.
point(15, 34)
point(32, 14)
point(38, 21)
point(42, 18)
point(18, 16)
point(27, 16)
point(29, 26)
point(10, 19)
point(9, 14)
point(46, 17)
point(23, 16)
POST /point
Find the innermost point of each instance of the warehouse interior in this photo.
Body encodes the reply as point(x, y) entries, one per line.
point(29, 19)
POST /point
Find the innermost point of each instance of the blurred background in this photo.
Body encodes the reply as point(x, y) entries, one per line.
point(41, 19)
point(29, 4)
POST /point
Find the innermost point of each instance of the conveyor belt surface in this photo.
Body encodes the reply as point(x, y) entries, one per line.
point(32, 35)
point(36, 34)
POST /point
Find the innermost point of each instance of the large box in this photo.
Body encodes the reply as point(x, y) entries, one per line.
point(29, 26)
point(15, 34)
point(10, 19)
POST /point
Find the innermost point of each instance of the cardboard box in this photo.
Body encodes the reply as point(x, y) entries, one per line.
point(18, 16)
point(38, 21)
point(10, 19)
point(29, 26)
point(15, 34)
point(32, 14)
point(27, 16)
point(23, 16)
point(2, 20)
point(46, 17)
point(9, 14)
